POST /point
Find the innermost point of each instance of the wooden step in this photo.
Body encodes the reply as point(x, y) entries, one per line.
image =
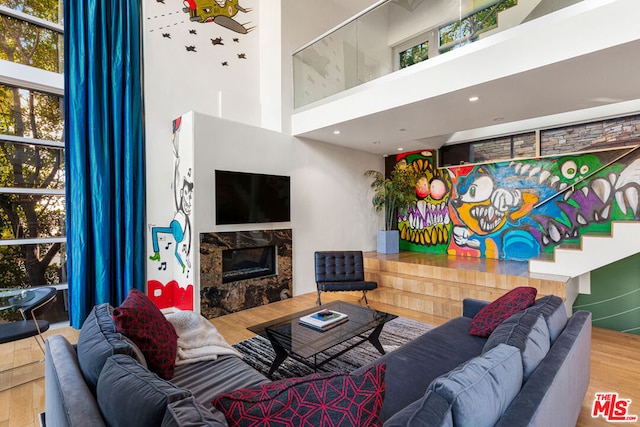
point(437, 284)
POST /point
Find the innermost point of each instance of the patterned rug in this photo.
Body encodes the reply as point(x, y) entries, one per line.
point(257, 351)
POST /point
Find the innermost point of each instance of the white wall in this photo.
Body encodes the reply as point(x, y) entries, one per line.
point(177, 81)
point(331, 206)
point(330, 198)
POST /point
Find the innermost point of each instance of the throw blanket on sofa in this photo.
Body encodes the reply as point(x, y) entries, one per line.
point(198, 339)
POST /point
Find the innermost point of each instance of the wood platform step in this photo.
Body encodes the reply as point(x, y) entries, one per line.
point(437, 284)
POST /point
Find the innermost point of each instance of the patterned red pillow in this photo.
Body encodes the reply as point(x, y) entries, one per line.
point(144, 324)
point(499, 310)
point(326, 400)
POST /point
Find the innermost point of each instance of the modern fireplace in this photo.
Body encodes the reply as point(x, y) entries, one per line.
point(244, 269)
point(248, 263)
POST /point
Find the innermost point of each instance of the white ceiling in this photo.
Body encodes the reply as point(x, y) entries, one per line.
point(584, 59)
point(605, 77)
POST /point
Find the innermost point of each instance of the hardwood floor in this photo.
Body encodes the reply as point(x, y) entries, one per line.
point(615, 361)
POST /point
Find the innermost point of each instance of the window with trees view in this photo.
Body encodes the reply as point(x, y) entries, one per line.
point(415, 54)
point(32, 157)
point(468, 28)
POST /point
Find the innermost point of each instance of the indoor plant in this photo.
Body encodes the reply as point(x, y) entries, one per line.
point(390, 195)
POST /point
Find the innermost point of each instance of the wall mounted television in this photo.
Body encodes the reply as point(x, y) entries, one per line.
point(248, 198)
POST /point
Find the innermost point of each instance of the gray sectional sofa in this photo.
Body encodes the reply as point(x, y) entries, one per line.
point(532, 371)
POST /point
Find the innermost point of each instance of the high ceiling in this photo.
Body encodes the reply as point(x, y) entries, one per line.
point(598, 83)
point(605, 77)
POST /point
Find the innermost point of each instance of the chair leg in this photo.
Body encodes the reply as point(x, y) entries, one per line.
point(364, 297)
point(318, 302)
point(40, 342)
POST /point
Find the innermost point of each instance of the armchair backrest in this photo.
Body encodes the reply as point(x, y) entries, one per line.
point(339, 266)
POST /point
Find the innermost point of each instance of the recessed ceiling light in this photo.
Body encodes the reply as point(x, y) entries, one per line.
point(474, 98)
point(402, 129)
point(336, 132)
point(498, 119)
point(400, 149)
point(376, 142)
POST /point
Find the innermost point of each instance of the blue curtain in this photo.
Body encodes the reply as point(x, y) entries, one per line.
point(104, 153)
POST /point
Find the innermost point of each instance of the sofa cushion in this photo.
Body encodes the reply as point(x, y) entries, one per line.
point(552, 308)
point(527, 331)
point(98, 340)
point(210, 378)
point(141, 321)
point(432, 410)
point(314, 400)
point(188, 412)
point(499, 310)
point(417, 363)
point(130, 395)
point(480, 390)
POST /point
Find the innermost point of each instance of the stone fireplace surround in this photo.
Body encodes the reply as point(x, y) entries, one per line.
point(218, 298)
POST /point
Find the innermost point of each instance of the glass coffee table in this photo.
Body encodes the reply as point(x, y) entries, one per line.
point(291, 339)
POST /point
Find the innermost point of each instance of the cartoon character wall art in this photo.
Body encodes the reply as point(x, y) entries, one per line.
point(229, 42)
point(426, 226)
point(219, 11)
point(489, 212)
point(179, 229)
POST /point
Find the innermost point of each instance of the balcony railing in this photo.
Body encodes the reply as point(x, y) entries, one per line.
point(395, 34)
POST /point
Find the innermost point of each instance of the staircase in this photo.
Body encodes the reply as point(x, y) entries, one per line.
point(437, 284)
point(594, 251)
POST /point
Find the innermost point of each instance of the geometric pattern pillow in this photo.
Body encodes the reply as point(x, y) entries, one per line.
point(326, 400)
point(143, 323)
point(491, 315)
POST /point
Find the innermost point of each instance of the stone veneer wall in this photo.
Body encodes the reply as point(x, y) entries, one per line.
point(524, 145)
point(616, 132)
point(217, 298)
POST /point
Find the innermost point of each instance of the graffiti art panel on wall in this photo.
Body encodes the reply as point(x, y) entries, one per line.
point(519, 209)
point(170, 271)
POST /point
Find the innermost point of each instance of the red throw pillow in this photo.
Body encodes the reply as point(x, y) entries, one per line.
point(143, 323)
point(316, 400)
point(499, 310)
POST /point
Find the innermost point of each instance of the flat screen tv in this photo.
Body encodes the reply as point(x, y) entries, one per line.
point(246, 198)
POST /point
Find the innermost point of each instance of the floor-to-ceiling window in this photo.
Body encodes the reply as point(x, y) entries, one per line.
point(32, 181)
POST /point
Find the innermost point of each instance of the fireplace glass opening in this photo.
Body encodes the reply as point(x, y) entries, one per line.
point(248, 263)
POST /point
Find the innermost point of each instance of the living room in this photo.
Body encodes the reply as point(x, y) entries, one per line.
point(240, 121)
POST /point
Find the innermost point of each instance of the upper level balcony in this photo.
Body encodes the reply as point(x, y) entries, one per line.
point(402, 72)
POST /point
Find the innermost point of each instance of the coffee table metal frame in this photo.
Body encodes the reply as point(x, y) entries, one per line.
point(289, 338)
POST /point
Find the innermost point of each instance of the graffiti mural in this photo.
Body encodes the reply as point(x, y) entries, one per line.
point(185, 29)
point(426, 225)
point(172, 241)
point(519, 209)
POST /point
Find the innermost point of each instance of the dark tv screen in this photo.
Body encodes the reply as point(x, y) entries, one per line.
point(246, 198)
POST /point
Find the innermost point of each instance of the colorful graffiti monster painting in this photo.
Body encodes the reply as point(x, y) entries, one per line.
point(425, 225)
point(518, 209)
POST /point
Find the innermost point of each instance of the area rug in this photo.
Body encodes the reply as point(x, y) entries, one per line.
point(257, 351)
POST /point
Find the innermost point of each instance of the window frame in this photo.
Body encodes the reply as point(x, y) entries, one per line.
point(48, 82)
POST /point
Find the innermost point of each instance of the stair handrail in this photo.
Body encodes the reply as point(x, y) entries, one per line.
point(572, 186)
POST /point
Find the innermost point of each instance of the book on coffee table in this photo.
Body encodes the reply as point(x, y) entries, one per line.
point(324, 319)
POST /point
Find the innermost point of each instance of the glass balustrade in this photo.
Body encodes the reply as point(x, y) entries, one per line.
point(400, 33)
